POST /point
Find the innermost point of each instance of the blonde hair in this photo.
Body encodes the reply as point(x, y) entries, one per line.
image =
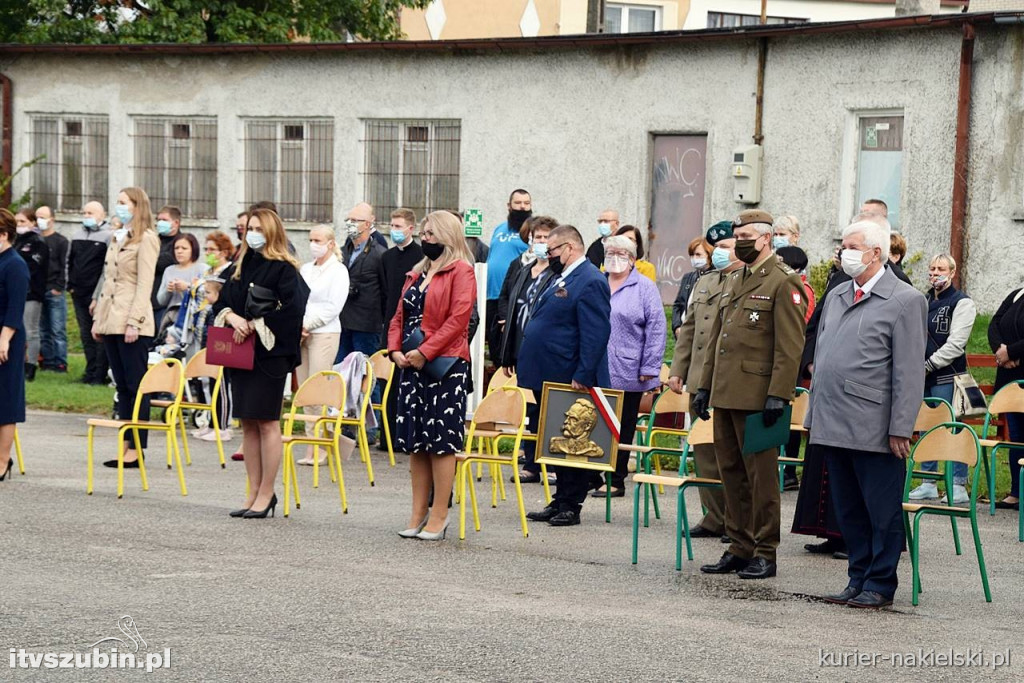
point(142, 216)
point(329, 232)
point(276, 248)
point(788, 224)
point(944, 258)
point(447, 229)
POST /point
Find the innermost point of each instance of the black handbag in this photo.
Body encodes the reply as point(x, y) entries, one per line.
point(436, 369)
point(260, 301)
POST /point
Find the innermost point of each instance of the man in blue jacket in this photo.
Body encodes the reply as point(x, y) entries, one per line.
point(566, 341)
point(507, 245)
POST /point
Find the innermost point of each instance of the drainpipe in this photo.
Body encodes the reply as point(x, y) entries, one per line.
point(957, 228)
point(6, 165)
point(762, 55)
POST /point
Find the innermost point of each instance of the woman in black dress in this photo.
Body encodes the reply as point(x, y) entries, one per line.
point(14, 280)
point(1006, 338)
point(431, 325)
point(264, 261)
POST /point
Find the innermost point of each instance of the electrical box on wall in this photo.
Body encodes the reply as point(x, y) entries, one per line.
point(746, 174)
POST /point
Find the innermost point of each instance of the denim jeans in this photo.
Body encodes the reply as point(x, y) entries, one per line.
point(33, 311)
point(53, 331)
point(369, 344)
point(945, 391)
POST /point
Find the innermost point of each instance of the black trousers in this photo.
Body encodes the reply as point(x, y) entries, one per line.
point(128, 363)
point(95, 354)
point(532, 419)
point(490, 329)
point(867, 492)
point(627, 430)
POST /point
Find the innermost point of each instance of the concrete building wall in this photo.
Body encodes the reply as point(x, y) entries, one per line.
point(575, 126)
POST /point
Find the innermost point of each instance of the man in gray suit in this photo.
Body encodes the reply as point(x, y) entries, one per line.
point(868, 384)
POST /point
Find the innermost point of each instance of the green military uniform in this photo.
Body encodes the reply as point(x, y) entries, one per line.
point(755, 347)
point(688, 363)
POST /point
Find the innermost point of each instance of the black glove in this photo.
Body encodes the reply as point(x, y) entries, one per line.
point(699, 404)
point(773, 408)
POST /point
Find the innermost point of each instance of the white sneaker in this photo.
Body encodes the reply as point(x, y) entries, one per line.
point(960, 495)
point(201, 432)
point(925, 491)
point(225, 435)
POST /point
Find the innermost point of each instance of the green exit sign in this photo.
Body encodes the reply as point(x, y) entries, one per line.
point(474, 222)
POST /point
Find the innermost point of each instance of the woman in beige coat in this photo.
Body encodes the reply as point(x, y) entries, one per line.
point(123, 318)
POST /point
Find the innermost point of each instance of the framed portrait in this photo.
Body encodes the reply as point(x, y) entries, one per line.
point(572, 432)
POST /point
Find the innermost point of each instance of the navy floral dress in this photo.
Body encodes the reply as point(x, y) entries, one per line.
point(431, 415)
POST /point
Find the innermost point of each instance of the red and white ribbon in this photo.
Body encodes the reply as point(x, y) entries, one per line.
point(605, 408)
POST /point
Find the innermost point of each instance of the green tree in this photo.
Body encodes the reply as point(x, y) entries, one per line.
point(200, 21)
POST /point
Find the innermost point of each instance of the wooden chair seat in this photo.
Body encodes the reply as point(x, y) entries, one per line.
point(315, 441)
point(914, 507)
point(992, 443)
point(117, 424)
point(499, 458)
point(634, 448)
point(673, 481)
point(791, 461)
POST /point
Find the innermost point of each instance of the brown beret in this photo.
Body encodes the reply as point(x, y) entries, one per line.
point(752, 216)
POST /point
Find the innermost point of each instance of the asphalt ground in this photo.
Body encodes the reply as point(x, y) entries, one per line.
point(321, 596)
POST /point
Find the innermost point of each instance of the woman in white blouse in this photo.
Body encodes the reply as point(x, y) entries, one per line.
point(327, 278)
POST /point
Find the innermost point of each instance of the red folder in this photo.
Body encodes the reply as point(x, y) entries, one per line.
point(221, 349)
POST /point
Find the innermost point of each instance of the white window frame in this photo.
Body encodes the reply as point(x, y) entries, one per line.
point(626, 7)
point(306, 203)
point(62, 120)
point(170, 142)
point(851, 149)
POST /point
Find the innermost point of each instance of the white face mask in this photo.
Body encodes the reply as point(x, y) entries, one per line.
point(43, 223)
point(616, 264)
point(317, 250)
point(698, 263)
point(853, 263)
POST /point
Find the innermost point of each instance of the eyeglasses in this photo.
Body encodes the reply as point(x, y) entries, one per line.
point(553, 249)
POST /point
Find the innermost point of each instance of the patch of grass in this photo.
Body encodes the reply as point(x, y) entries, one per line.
point(64, 393)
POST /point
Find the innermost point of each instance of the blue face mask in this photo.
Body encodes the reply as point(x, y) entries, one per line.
point(720, 258)
point(163, 227)
point(540, 250)
point(89, 223)
point(397, 236)
point(255, 240)
point(780, 241)
point(605, 229)
point(123, 213)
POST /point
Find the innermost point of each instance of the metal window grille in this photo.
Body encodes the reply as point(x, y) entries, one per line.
point(730, 20)
point(412, 164)
point(74, 165)
point(290, 162)
point(176, 163)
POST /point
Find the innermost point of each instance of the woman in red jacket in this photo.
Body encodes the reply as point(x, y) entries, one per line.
point(428, 339)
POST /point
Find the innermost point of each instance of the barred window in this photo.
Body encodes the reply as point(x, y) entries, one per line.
point(290, 162)
point(73, 168)
point(412, 164)
point(176, 163)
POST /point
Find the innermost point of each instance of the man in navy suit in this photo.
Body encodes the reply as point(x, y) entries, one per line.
point(566, 341)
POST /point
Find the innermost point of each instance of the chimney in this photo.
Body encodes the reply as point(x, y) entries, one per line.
point(910, 7)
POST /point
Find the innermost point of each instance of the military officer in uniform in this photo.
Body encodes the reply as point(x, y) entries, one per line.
point(688, 362)
point(755, 347)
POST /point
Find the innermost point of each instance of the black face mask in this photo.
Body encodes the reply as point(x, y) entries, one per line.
point(556, 265)
point(517, 217)
point(746, 251)
point(432, 250)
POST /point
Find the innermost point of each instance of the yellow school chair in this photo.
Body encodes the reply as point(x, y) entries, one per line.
point(198, 368)
point(384, 371)
point(1009, 399)
point(17, 451)
point(359, 422)
point(168, 377)
point(326, 389)
point(502, 410)
point(948, 443)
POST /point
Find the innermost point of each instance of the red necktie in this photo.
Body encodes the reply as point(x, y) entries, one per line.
point(858, 295)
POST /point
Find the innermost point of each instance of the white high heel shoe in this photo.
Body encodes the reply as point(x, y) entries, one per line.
point(427, 536)
point(413, 532)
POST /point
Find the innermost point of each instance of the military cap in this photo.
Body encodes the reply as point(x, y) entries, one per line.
point(752, 216)
point(722, 230)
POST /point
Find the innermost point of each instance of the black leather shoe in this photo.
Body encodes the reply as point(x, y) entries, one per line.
point(849, 593)
point(870, 600)
point(133, 465)
point(840, 555)
point(599, 493)
point(565, 518)
point(727, 565)
point(791, 484)
point(725, 539)
point(829, 545)
point(238, 513)
point(528, 478)
point(759, 568)
point(544, 515)
point(700, 532)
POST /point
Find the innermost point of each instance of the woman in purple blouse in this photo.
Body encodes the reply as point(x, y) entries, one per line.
point(637, 342)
